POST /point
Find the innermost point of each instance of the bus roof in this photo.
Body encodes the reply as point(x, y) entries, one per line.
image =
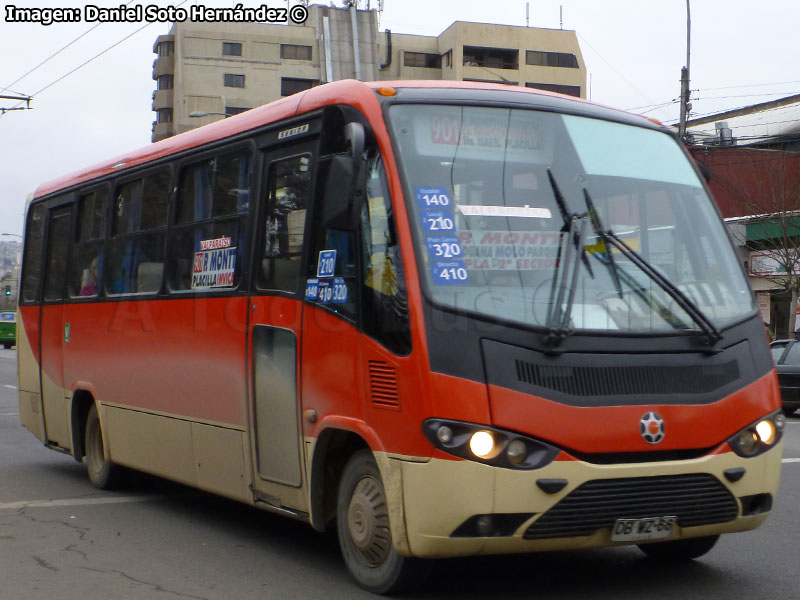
point(357, 93)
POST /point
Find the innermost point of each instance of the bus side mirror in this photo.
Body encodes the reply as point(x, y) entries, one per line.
point(345, 183)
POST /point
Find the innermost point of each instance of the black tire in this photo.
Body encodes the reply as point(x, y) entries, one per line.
point(103, 473)
point(362, 523)
point(680, 550)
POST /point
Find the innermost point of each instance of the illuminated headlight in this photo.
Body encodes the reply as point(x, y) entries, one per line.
point(759, 437)
point(488, 445)
point(481, 443)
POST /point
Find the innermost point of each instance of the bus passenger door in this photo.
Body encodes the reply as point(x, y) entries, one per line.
point(275, 327)
point(54, 332)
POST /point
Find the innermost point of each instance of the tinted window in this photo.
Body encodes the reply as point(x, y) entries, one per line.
point(91, 215)
point(284, 228)
point(57, 251)
point(385, 301)
point(34, 240)
point(793, 355)
point(215, 187)
point(777, 351)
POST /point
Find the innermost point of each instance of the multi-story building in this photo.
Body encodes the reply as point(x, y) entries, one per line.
point(221, 69)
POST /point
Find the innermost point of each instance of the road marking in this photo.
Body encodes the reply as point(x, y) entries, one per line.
point(9, 414)
point(12, 387)
point(791, 460)
point(75, 502)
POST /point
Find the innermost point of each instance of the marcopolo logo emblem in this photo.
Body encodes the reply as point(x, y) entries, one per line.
point(652, 428)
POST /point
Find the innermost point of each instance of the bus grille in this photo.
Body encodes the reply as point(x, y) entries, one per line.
point(696, 499)
point(628, 380)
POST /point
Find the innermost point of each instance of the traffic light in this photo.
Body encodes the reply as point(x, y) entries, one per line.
point(7, 290)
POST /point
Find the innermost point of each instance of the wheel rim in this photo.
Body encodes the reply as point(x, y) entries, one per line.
point(368, 522)
point(94, 451)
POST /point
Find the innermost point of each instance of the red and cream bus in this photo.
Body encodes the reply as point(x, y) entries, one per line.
point(450, 318)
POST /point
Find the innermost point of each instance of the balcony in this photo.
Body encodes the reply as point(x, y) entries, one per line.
point(163, 65)
point(162, 99)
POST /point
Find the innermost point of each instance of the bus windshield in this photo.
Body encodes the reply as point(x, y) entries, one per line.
point(495, 239)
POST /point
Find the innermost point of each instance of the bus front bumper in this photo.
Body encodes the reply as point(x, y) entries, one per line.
point(459, 507)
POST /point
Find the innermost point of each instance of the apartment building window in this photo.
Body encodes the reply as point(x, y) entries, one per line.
point(295, 52)
point(165, 82)
point(165, 48)
point(164, 115)
point(551, 59)
point(234, 110)
point(447, 59)
point(233, 80)
point(231, 49)
point(569, 90)
point(495, 58)
point(292, 85)
point(422, 59)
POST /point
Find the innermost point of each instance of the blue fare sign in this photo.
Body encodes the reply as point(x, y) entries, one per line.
point(312, 289)
point(451, 272)
point(432, 197)
point(326, 265)
point(438, 221)
point(443, 246)
point(331, 291)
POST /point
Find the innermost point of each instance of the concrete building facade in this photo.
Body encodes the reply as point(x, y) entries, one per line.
point(222, 69)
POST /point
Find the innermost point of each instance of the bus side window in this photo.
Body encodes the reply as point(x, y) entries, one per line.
point(284, 227)
point(385, 302)
point(332, 271)
point(34, 250)
point(207, 242)
point(135, 257)
point(86, 262)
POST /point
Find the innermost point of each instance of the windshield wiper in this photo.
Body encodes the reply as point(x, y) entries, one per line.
point(689, 307)
point(558, 323)
point(597, 225)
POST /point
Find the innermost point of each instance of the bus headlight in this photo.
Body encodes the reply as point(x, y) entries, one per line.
point(488, 445)
point(481, 443)
point(759, 437)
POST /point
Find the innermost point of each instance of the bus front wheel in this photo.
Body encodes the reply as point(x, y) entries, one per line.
point(103, 473)
point(362, 522)
point(680, 550)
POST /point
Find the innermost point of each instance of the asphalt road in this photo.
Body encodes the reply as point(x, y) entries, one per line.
point(62, 539)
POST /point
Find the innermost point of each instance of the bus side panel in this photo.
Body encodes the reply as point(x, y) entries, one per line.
point(28, 385)
point(181, 358)
point(161, 368)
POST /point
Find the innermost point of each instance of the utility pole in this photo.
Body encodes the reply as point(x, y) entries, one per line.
point(685, 92)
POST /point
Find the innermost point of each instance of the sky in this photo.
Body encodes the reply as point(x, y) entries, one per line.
point(742, 53)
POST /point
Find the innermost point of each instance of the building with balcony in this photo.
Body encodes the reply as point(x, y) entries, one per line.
point(222, 69)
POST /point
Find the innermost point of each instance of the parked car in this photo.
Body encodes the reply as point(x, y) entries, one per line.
point(8, 329)
point(786, 354)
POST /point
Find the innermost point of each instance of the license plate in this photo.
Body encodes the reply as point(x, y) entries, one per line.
point(634, 530)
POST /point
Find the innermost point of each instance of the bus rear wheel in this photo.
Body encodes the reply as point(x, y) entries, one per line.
point(680, 550)
point(362, 522)
point(103, 473)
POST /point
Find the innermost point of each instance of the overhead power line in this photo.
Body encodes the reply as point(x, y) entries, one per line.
point(95, 57)
point(56, 53)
